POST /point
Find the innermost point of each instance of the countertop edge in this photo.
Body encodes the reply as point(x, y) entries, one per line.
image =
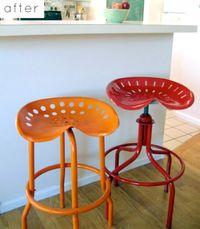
point(37, 28)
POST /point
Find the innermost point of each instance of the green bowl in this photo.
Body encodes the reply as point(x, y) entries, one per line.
point(116, 15)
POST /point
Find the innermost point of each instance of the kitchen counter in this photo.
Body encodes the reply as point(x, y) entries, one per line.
point(27, 28)
point(49, 59)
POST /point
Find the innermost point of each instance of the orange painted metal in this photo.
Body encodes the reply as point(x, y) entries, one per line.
point(74, 176)
point(46, 119)
point(62, 170)
point(69, 211)
point(31, 184)
point(109, 208)
point(31, 167)
point(25, 214)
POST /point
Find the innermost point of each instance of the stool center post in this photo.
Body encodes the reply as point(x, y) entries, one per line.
point(145, 122)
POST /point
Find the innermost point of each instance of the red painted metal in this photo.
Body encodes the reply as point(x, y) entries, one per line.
point(151, 149)
point(133, 93)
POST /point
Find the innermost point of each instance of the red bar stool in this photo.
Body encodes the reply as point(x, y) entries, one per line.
point(134, 93)
point(46, 119)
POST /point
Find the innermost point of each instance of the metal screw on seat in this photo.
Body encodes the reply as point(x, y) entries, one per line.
point(132, 93)
point(47, 119)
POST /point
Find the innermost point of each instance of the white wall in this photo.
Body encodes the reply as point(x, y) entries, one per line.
point(97, 10)
point(185, 63)
point(185, 69)
point(49, 66)
point(153, 10)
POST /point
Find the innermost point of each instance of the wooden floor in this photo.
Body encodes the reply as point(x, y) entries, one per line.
point(134, 207)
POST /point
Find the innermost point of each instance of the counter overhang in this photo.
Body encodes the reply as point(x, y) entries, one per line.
point(34, 28)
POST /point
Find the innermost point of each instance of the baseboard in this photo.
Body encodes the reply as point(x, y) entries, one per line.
point(188, 118)
point(43, 194)
point(54, 190)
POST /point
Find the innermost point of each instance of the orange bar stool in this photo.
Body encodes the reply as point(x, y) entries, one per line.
point(46, 119)
point(132, 93)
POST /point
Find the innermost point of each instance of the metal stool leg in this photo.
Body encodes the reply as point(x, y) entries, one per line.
point(168, 170)
point(109, 213)
point(109, 205)
point(31, 183)
point(116, 183)
point(169, 163)
point(165, 174)
point(24, 215)
point(62, 170)
point(171, 205)
point(171, 188)
point(73, 156)
point(137, 151)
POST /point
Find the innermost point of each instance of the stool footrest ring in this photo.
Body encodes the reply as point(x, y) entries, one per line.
point(162, 151)
point(69, 211)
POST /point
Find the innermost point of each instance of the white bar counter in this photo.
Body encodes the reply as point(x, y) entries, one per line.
point(50, 59)
point(27, 28)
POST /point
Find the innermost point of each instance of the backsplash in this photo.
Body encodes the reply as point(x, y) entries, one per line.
point(92, 9)
point(71, 9)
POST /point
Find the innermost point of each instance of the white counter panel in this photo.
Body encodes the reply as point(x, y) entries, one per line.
point(34, 67)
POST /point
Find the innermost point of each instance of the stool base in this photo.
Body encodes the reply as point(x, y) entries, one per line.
point(72, 211)
point(145, 122)
point(159, 150)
